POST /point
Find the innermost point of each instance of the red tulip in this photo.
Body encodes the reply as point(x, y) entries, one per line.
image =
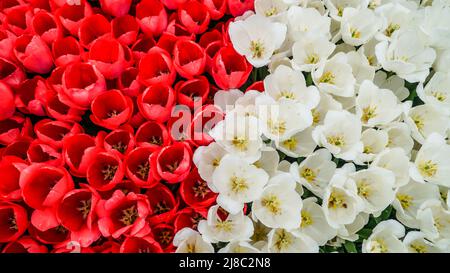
point(125, 29)
point(7, 40)
point(124, 214)
point(105, 170)
point(163, 204)
point(46, 26)
point(7, 106)
point(31, 95)
point(163, 234)
point(141, 47)
point(239, 7)
point(10, 168)
point(137, 167)
point(18, 148)
point(82, 82)
point(40, 152)
point(189, 58)
point(71, 16)
point(140, 245)
point(66, 50)
point(25, 244)
point(156, 67)
point(204, 119)
point(10, 73)
point(109, 56)
point(116, 7)
point(194, 16)
point(229, 69)
point(195, 192)
point(17, 19)
point(53, 132)
point(121, 140)
point(93, 27)
point(33, 53)
point(128, 82)
point(156, 102)
point(152, 134)
point(77, 152)
point(111, 109)
point(216, 8)
point(172, 4)
point(189, 217)
point(152, 17)
point(13, 221)
point(192, 92)
point(60, 111)
point(172, 163)
point(14, 128)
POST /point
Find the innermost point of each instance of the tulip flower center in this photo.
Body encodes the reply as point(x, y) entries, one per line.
point(439, 96)
point(270, 12)
point(129, 215)
point(277, 127)
point(368, 112)
point(419, 122)
point(418, 248)
point(336, 140)
point(364, 188)
point(216, 162)
point(378, 246)
point(428, 168)
point(119, 146)
point(113, 113)
point(226, 225)
point(165, 237)
point(316, 116)
point(109, 172)
point(240, 143)
point(13, 223)
point(308, 174)
point(355, 33)
point(172, 167)
point(312, 58)
point(405, 200)
point(340, 11)
point(238, 184)
point(156, 140)
point(391, 29)
point(328, 77)
point(287, 95)
point(371, 60)
point(161, 207)
point(85, 207)
point(143, 170)
point(257, 49)
point(282, 239)
point(61, 229)
point(201, 189)
point(290, 143)
point(195, 219)
point(336, 200)
point(190, 248)
point(367, 149)
point(272, 203)
point(306, 219)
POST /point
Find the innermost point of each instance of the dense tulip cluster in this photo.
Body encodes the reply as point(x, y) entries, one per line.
point(346, 149)
point(92, 158)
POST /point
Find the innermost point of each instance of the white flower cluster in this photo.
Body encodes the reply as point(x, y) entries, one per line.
point(355, 112)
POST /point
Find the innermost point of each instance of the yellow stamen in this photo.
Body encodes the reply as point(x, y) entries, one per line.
point(257, 49)
point(368, 113)
point(428, 168)
point(328, 77)
point(129, 215)
point(336, 140)
point(290, 143)
point(405, 200)
point(306, 219)
point(272, 203)
point(238, 184)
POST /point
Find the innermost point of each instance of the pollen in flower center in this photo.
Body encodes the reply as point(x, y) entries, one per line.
point(283, 239)
point(238, 184)
point(129, 215)
point(156, 140)
point(165, 237)
point(226, 225)
point(355, 33)
point(119, 146)
point(336, 140)
point(257, 49)
point(201, 189)
point(336, 200)
point(85, 208)
point(143, 170)
point(391, 29)
point(308, 174)
point(316, 116)
point(418, 248)
point(428, 168)
point(364, 188)
point(368, 113)
point(276, 127)
point(272, 203)
point(378, 246)
point(109, 171)
point(161, 207)
point(287, 95)
point(172, 167)
point(405, 200)
point(419, 122)
point(216, 162)
point(328, 77)
point(13, 223)
point(270, 12)
point(240, 143)
point(440, 96)
point(306, 219)
point(113, 113)
point(290, 143)
point(312, 58)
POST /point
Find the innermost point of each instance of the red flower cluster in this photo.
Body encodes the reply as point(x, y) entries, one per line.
point(92, 158)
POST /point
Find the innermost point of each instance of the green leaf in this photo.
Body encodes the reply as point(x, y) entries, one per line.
point(364, 233)
point(350, 247)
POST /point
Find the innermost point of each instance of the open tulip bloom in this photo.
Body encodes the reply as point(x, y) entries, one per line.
point(202, 126)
